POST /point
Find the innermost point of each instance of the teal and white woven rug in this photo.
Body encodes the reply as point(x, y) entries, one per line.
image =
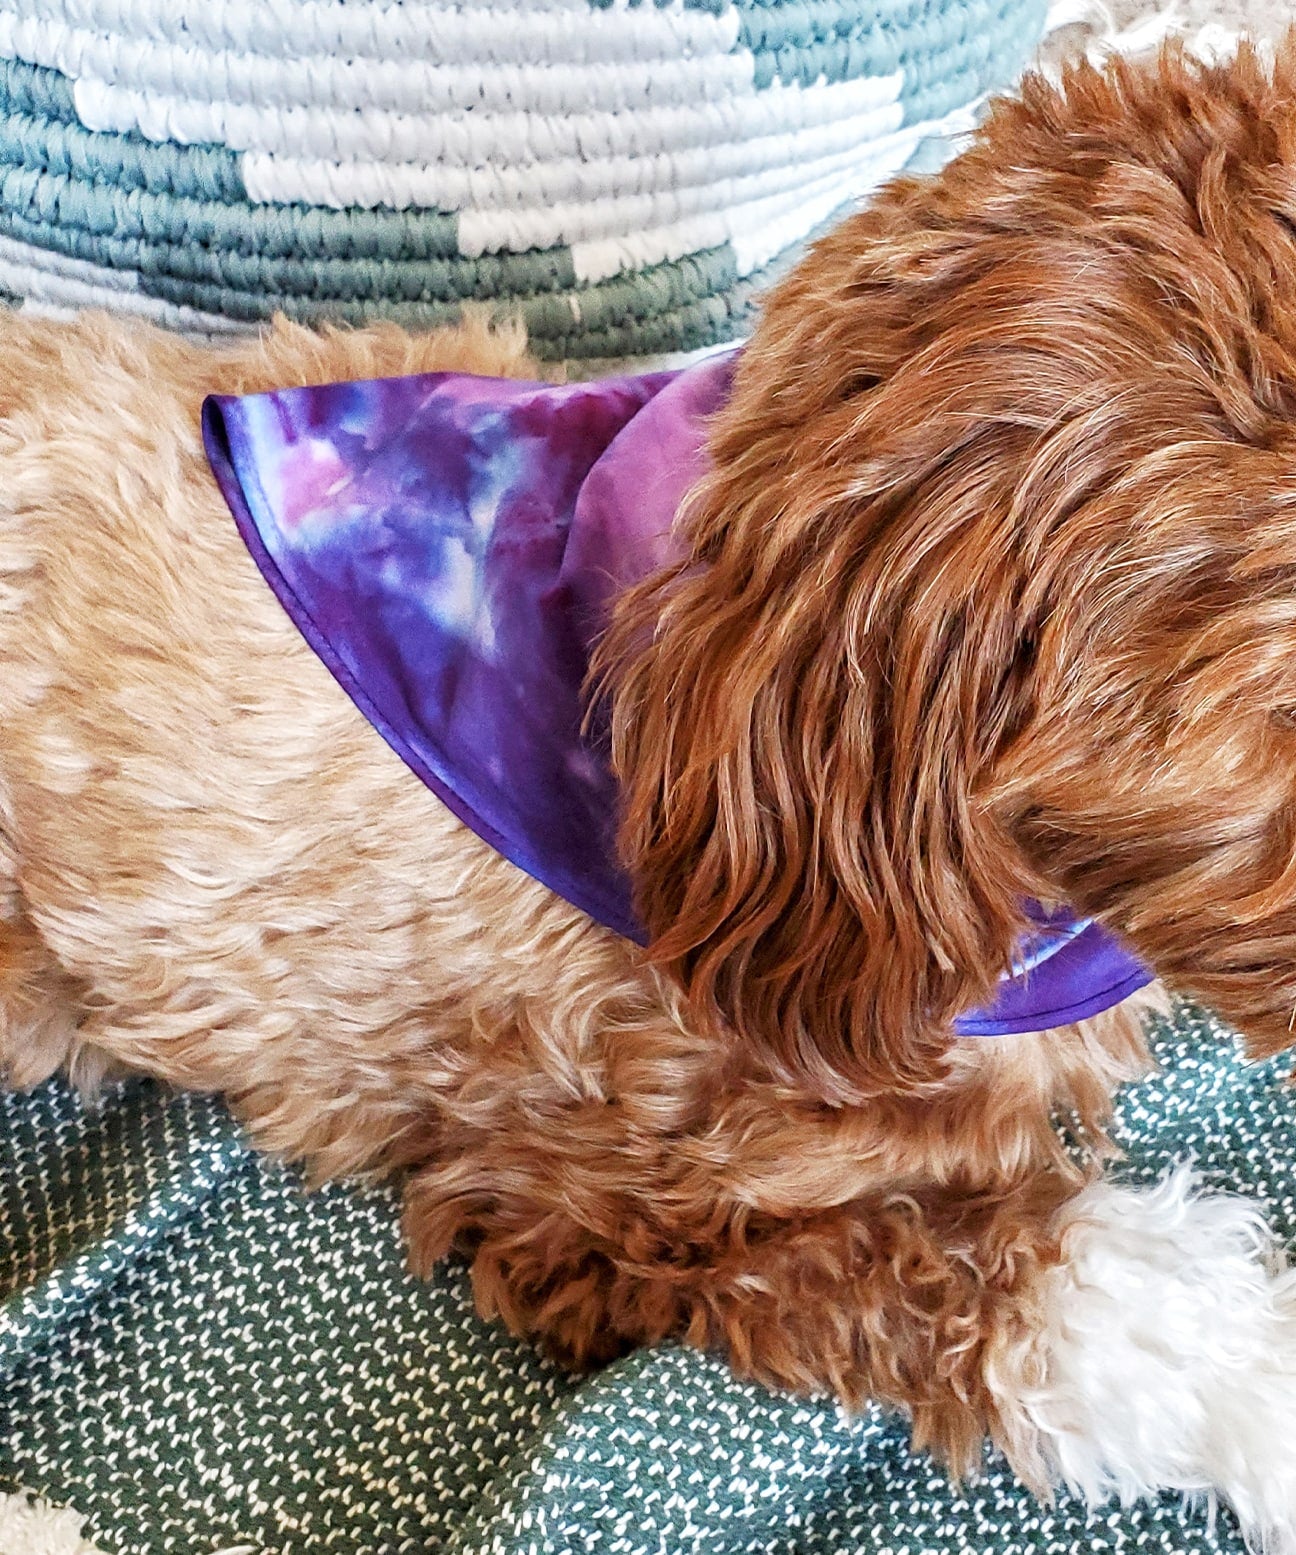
point(626, 175)
point(198, 1356)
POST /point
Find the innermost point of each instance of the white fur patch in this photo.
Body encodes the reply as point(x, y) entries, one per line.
point(1164, 1357)
point(30, 1526)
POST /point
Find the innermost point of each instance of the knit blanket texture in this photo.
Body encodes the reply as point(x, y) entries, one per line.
point(198, 1355)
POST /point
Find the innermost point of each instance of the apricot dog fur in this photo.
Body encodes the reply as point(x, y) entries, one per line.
point(991, 596)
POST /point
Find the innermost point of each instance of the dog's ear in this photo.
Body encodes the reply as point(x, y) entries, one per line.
point(802, 708)
point(1159, 794)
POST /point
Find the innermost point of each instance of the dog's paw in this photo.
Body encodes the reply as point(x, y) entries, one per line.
point(1160, 1353)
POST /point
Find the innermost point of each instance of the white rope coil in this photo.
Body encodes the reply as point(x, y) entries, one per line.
point(508, 31)
point(761, 227)
point(726, 173)
point(225, 81)
point(484, 139)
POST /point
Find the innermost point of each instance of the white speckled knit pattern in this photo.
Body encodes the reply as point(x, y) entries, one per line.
point(195, 1355)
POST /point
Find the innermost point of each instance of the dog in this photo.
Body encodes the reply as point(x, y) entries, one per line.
point(988, 598)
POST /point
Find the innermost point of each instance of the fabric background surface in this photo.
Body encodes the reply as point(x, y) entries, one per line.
point(198, 1355)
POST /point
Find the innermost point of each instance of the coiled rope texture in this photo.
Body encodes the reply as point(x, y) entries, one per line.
point(626, 176)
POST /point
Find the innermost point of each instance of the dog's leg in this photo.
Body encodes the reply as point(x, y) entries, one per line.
point(39, 1003)
point(895, 1297)
point(38, 1011)
point(1158, 1352)
point(1122, 1341)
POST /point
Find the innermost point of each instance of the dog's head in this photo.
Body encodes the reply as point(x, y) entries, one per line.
point(991, 593)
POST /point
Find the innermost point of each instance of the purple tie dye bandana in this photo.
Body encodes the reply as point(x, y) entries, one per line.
point(449, 546)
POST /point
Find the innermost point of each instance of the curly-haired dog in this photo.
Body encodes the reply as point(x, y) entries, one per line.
point(989, 598)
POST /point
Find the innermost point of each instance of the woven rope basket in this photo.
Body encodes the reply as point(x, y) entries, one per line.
point(627, 176)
